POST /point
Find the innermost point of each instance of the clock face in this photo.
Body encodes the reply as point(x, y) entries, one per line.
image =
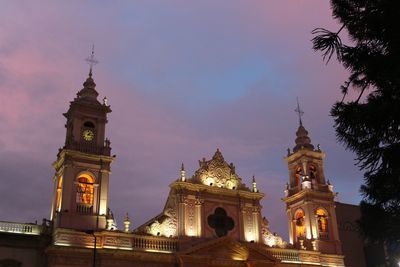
point(88, 135)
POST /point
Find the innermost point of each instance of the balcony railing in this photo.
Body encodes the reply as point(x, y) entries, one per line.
point(20, 228)
point(90, 148)
point(154, 243)
point(324, 235)
point(286, 255)
point(84, 209)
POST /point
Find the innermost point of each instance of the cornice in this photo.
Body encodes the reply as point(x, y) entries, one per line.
point(77, 154)
point(305, 152)
point(309, 193)
point(216, 190)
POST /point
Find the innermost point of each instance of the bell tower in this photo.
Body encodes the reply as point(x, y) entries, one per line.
point(82, 167)
point(309, 197)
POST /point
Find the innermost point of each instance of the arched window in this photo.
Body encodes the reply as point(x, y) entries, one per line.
point(300, 223)
point(88, 124)
point(322, 220)
point(313, 172)
point(85, 190)
point(59, 192)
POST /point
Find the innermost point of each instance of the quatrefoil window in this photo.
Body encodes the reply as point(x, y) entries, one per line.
point(220, 222)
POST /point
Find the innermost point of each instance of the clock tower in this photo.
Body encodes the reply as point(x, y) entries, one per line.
point(82, 167)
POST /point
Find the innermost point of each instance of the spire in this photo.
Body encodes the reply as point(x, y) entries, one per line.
point(302, 139)
point(182, 177)
point(89, 92)
point(111, 223)
point(127, 223)
point(255, 190)
point(218, 156)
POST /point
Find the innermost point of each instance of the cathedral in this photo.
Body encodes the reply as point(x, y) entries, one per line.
point(210, 217)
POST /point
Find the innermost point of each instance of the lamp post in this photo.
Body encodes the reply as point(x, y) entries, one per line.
point(91, 232)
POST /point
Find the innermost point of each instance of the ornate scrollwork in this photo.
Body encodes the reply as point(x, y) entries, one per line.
point(269, 238)
point(217, 172)
point(166, 225)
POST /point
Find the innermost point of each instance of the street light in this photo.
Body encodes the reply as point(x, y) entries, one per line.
point(91, 232)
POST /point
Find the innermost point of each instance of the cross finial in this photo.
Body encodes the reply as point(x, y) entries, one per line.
point(299, 112)
point(91, 61)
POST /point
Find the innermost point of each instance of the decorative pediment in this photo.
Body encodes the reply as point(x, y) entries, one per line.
point(217, 172)
point(221, 248)
point(225, 248)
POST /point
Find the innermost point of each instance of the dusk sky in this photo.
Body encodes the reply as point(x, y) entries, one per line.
point(183, 78)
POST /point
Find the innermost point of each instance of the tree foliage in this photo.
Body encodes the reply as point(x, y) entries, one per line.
point(369, 124)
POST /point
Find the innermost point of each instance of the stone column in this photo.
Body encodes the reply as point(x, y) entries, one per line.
point(290, 224)
point(69, 189)
point(181, 215)
point(248, 224)
point(198, 217)
point(55, 193)
point(243, 223)
point(308, 220)
point(313, 222)
point(103, 195)
point(333, 222)
point(256, 223)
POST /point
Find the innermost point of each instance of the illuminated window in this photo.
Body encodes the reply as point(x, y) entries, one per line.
point(322, 220)
point(85, 189)
point(59, 191)
point(300, 223)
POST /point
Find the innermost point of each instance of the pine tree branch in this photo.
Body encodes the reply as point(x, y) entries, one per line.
point(362, 92)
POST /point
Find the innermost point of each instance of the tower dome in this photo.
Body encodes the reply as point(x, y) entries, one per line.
point(88, 92)
point(302, 139)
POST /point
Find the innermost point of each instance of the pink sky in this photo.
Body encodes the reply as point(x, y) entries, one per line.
point(182, 78)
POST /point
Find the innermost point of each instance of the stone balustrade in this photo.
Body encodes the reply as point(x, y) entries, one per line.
point(115, 240)
point(155, 243)
point(288, 255)
point(131, 241)
point(306, 257)
point(20, 228)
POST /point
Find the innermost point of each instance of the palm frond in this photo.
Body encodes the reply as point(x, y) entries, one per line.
point(328, 42)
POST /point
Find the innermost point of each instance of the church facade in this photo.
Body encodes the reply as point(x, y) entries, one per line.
point(210, 218)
